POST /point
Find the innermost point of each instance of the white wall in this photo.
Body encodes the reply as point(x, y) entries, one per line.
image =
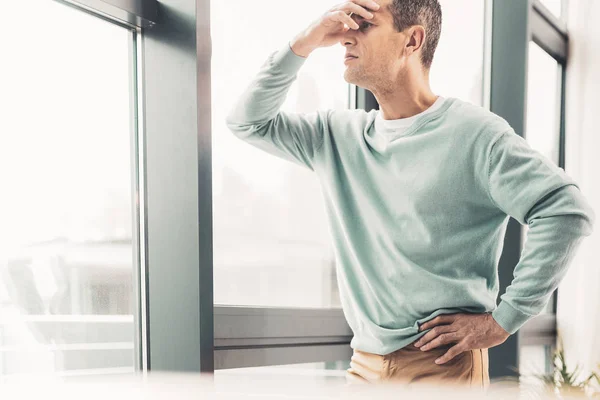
point(579, 294)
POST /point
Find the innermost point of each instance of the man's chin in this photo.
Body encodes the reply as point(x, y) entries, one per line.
point(350, 76)
point(353, 78)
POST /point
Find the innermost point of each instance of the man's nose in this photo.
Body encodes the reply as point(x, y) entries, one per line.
point(348, 38)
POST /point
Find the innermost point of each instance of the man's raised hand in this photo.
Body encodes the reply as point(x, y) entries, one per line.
point(328, 29)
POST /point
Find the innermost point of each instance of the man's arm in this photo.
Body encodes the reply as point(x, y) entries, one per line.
point(534, 191)
point(257, 119)
point(530, 188)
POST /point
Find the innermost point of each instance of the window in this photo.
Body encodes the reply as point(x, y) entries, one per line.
point(271, 242)
point(543, 113)
point(554, 6)
point(67, 301)
point(456, 71)
point(543, 103)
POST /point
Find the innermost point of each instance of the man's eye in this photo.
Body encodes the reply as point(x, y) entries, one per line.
point(365, 25)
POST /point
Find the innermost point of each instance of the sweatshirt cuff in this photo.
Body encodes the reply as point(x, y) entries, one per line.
point(288, 61)
point(509, 318)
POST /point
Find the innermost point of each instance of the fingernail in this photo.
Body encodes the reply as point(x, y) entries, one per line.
point(438, 361)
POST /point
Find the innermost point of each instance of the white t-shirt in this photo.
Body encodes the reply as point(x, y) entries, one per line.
point(396, 127)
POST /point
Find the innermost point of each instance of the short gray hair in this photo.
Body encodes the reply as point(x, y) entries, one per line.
point(428, 13)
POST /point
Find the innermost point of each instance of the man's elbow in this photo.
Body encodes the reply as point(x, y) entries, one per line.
point(569, 210)
point(238, 128)
point(582, 212)
point(590, 221)
point(232, 122)
point(585, 211)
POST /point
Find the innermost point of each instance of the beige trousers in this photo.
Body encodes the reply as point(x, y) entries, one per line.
point(412, 365)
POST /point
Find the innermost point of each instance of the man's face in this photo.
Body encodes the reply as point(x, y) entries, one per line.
point(378, 47)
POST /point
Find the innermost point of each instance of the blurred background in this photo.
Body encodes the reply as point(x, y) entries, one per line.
point(137, 233)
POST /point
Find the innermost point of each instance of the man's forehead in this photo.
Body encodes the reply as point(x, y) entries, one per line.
point(381, 14)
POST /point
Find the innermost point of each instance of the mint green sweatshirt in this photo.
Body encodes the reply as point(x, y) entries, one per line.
point(418, 220)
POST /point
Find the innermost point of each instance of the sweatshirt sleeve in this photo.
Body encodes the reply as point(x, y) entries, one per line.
point(256, 117)
point(530, 188)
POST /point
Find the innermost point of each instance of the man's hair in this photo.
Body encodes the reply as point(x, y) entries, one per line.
point(427, 13)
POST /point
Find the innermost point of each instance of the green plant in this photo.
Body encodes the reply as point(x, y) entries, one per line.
point(560, 380)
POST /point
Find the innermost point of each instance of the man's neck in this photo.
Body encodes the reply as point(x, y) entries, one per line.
point(406, 98)
point(404, 106)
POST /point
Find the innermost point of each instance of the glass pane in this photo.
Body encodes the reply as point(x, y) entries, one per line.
point(543, 112)
point(271, 242)
point(555, 6)
point(543, 103)
point(462, 28)
point(66, 256)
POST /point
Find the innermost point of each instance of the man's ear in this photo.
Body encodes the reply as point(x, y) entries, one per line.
point(416, 39)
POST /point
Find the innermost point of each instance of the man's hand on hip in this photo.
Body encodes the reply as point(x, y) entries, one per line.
point(468, 331)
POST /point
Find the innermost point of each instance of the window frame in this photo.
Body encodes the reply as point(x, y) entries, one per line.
point(203, 331)
point(137, 16)
point(550, 34)
point(128, 13)
point(133, 16)
point(515, 26)
point(213, 337)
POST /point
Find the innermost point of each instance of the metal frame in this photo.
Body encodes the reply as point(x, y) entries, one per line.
point(138, 211)
point(178, 175)
point(247, 336)
point(487, 54)
point(509, 99)
point(549, 32)
point(131, 13)
point(510, 41)
point(179, 325)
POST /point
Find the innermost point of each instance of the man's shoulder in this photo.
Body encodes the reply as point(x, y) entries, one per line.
point(480, 125)
point(478, 118)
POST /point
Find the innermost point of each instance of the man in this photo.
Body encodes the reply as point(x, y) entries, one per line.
point(418, 195)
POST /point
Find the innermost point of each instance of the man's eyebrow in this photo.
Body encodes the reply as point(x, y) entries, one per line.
point(360, 17)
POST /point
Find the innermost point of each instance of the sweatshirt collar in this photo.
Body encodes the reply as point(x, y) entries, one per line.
point(380, 142)
point(390, 126)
